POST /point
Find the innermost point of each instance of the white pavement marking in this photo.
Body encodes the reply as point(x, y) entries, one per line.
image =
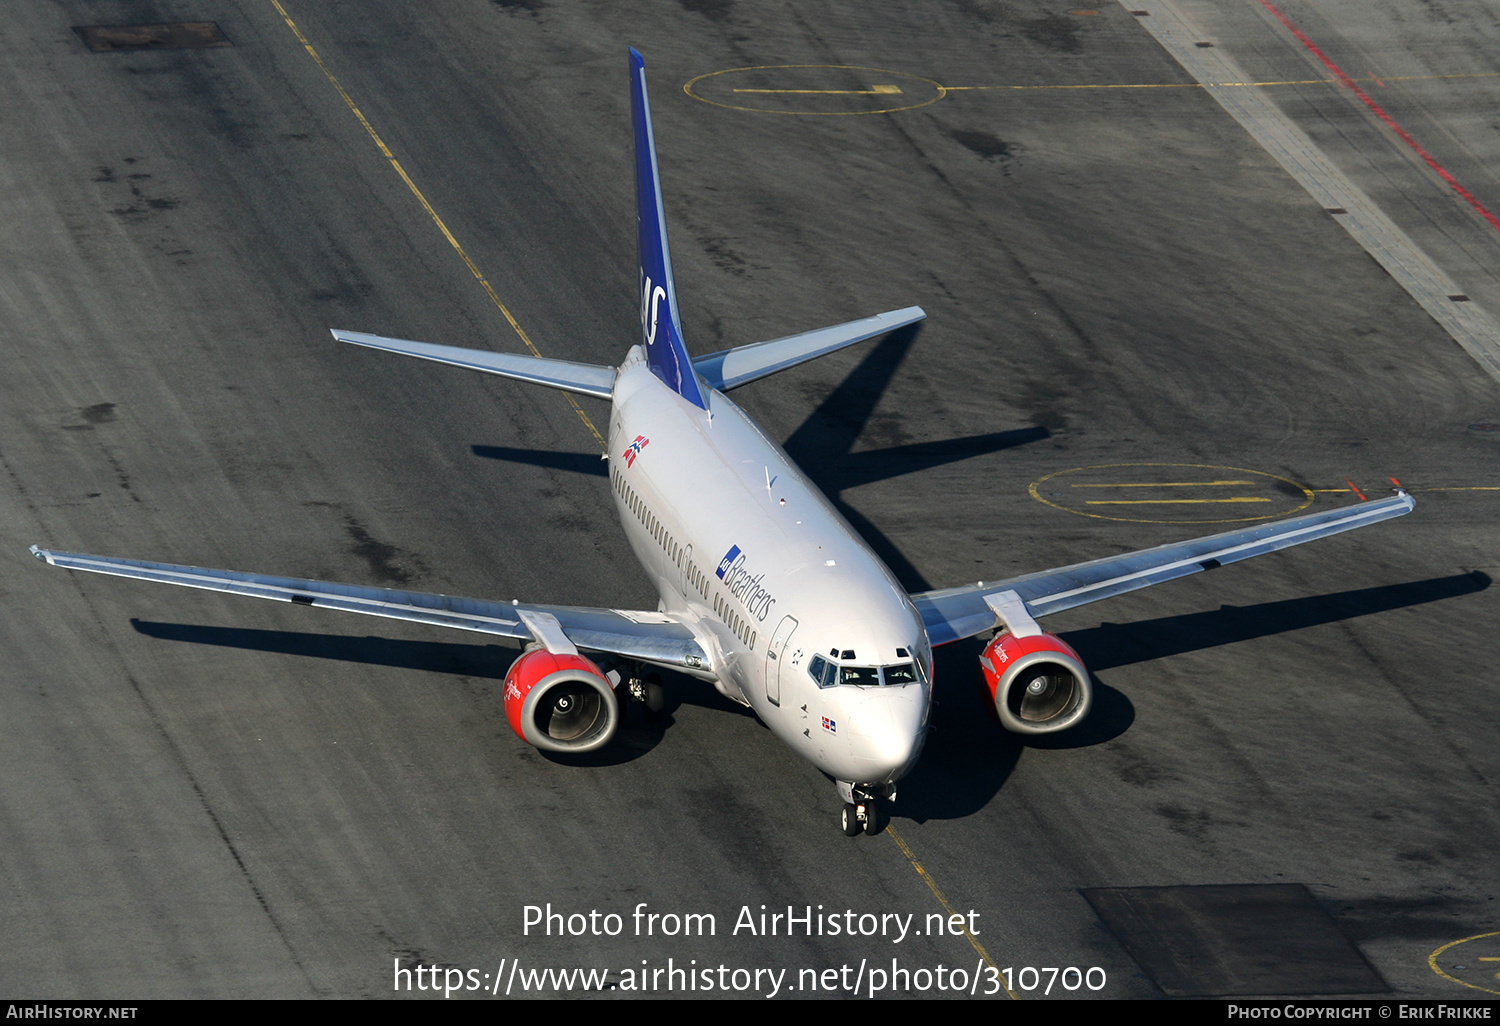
point(1224, 80)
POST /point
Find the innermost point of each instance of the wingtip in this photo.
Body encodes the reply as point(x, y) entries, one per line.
point(351, 338)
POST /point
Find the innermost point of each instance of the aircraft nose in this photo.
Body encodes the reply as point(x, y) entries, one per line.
point(894, 753)
point(890, 732)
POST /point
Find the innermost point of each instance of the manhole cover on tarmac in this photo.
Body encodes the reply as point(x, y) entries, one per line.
point(1171, 493)
point(1234, 940)
point(1471, 962)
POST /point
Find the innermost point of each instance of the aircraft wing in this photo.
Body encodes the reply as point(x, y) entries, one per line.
point(744, 364)
point(648, 636)
point(955, 613)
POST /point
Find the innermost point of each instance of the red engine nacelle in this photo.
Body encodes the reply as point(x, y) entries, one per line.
point(1038, 683)
point(560, 703)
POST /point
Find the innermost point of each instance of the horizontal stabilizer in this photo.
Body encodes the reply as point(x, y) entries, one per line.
point(583, 378)
point(735, 367)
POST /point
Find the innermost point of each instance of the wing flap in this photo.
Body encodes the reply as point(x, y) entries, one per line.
point(583, 378)
point(955, 613)
point(650, 637)
point(732, 368)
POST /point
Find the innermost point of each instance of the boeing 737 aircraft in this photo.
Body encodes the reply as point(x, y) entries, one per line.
point(766, 592)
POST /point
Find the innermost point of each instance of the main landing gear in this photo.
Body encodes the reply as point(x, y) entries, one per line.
point(647, 691)
point(635, 683)
point(862, 812)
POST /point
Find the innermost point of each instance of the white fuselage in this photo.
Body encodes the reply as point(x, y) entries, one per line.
point(750, 554)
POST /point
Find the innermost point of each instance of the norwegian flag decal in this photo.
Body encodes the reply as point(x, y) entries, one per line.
point(830, 726)
point(634, 449)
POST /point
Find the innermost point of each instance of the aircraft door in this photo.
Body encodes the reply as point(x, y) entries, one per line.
point(773, 658)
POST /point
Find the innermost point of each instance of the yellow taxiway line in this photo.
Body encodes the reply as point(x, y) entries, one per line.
point(442, 226)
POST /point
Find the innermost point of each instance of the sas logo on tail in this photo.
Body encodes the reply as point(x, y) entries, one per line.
point(634, 449)
point(651, 297)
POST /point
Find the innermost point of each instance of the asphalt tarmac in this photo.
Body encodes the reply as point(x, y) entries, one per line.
point(1288, 784)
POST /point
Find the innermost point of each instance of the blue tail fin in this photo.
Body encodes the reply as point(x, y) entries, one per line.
point(661, 331)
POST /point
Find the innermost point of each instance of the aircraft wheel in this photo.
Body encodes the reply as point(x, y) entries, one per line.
point(850, 821)
point(655, 698)
point(873, 821)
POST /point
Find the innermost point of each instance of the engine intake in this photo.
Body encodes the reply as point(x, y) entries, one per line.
point(1038, 683)
point(560, 702)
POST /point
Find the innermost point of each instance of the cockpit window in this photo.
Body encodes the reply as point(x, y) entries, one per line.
point(859, 676)
point(821, 671)
point(826, 674)
point(902, 673)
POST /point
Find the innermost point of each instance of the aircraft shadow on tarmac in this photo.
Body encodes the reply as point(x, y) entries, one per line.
point(969, 756)
point(1110, 645)
point(576, 462)
point(822, 446)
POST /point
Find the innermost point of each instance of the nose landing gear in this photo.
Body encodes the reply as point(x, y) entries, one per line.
point(862, 816)
point(862, 812)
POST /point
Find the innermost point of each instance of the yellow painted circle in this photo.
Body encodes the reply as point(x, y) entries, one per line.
point(1481, 962)
point(1171, 493)
point(816, 90)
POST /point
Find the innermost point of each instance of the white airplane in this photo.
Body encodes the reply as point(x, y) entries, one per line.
point(766, 592)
